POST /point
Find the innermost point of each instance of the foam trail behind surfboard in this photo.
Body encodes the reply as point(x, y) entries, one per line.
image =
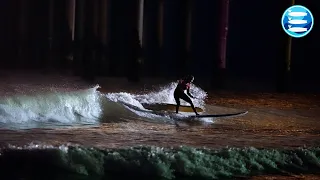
point(164, 95)
point(220, 115)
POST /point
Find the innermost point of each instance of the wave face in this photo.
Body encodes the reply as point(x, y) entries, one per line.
point(88, 107)
point(54, 108)
point(155, 162)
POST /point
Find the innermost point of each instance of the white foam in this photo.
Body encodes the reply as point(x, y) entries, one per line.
point(164, 95)
point(87, 107)
point(124, 97)
point(32, 145)
point(60, 107)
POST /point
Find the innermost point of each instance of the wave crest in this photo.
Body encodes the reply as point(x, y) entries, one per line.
point(163, 163)
point(86, 107)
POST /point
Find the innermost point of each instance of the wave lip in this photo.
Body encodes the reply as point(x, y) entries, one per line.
point(86, 107)
point(133, 102)
point(64, 108)
point(161, 163)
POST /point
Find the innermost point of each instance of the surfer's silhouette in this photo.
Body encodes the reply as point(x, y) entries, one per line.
point(184, 84)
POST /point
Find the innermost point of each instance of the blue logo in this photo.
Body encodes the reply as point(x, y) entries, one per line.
point(297, 21)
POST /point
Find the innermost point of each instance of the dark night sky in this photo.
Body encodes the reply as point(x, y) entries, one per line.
point(257, 48)
point(256, 41)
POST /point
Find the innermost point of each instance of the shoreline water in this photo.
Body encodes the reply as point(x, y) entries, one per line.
point(158, 163)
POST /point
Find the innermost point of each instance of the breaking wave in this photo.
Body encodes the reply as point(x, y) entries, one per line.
point(89, 107)
point(155, 162)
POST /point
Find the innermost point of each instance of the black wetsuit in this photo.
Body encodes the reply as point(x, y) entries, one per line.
point(179, 94)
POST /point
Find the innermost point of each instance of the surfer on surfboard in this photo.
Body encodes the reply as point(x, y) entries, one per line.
point(184, 84)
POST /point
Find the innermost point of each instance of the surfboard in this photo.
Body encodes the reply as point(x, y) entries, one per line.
point(218, 115)
point(169, 107)
point(182, 116)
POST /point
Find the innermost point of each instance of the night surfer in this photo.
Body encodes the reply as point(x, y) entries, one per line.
point(184, 84)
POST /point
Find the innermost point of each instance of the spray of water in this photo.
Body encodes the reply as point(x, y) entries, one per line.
point(68, 108)
point(89, 106)
point(164, 95)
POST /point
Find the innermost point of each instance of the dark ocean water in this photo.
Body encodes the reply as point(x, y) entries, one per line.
point(60, 128)
point(156, 162)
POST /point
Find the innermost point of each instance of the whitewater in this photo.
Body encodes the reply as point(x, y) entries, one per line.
point(87, 107)
point(65, 162)
point(59, 128)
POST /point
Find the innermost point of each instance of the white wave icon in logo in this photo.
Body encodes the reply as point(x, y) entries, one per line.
point(297, 21)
